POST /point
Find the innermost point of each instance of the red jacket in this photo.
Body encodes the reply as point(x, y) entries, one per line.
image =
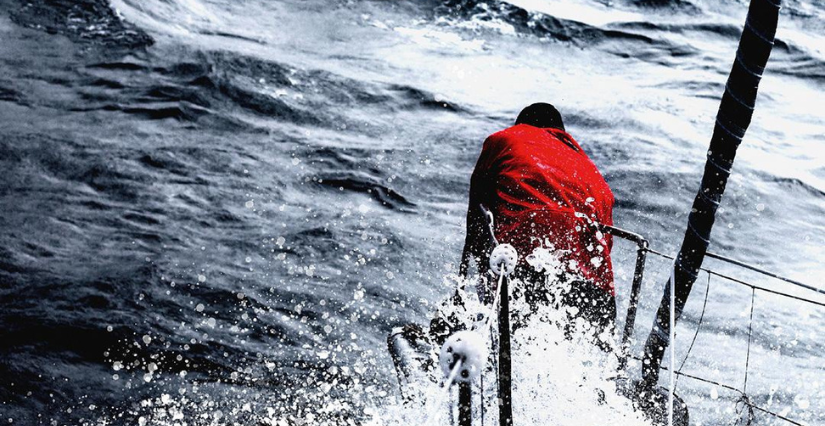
point(534, 181)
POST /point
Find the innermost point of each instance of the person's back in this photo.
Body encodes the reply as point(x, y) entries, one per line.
point(535, 181)
point(544, 191)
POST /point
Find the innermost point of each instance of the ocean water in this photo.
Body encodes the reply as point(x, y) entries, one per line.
point(213, 212)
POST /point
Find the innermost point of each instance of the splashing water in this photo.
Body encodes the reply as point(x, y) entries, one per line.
point(560, 376)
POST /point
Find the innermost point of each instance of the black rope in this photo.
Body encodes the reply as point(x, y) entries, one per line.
point(744, 401)
point(696, 334)
point(481, 393)
point(748, 356)
point(778, 416)
point(742, 404)
point(767, 290)
point(697, 378)
point(731, 388)
point(747, 284)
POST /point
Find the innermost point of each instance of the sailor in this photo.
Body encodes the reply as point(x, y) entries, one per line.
point(544, 192)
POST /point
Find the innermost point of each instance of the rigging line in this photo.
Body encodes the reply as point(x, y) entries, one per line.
point(443, 395)
point(494, 307)
point(730, 388)
point(701, 379)
point(481, 397)
point(485, 329)
point(778, 416)
point(738, 281)
point(750, 330)
point(764, 272)
point(746, 404)
point(746, 266)
point(488, 327)
point(698, 327)
point(767, 290)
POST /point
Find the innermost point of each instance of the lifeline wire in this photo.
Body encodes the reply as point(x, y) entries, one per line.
point(750, 330)
point(731, 388)
point(494, 306)
point(446, 392)
point(747, 284)
point(744, 399)
point(488, 327)
point(481, 397)
point(696, 334)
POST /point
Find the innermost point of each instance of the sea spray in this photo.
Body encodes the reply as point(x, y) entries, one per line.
point(561, 376)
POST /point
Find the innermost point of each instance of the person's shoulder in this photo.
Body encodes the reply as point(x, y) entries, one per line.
point(518, 131)
point(511, 135)
point(565, 137)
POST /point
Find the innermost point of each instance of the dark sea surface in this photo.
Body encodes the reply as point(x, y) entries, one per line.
point(214, 211)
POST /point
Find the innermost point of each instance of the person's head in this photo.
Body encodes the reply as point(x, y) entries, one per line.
point(541, 115)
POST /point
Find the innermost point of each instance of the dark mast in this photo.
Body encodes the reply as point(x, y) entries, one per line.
point(732, 121)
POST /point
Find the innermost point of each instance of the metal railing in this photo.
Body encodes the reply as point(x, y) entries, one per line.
point(642, 247)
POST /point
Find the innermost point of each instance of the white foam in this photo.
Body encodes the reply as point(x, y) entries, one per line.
point(556, 380)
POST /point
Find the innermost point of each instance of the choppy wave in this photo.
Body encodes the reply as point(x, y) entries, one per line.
point(85, 21)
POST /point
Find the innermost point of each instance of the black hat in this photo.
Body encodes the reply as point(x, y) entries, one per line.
point(541, 115)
